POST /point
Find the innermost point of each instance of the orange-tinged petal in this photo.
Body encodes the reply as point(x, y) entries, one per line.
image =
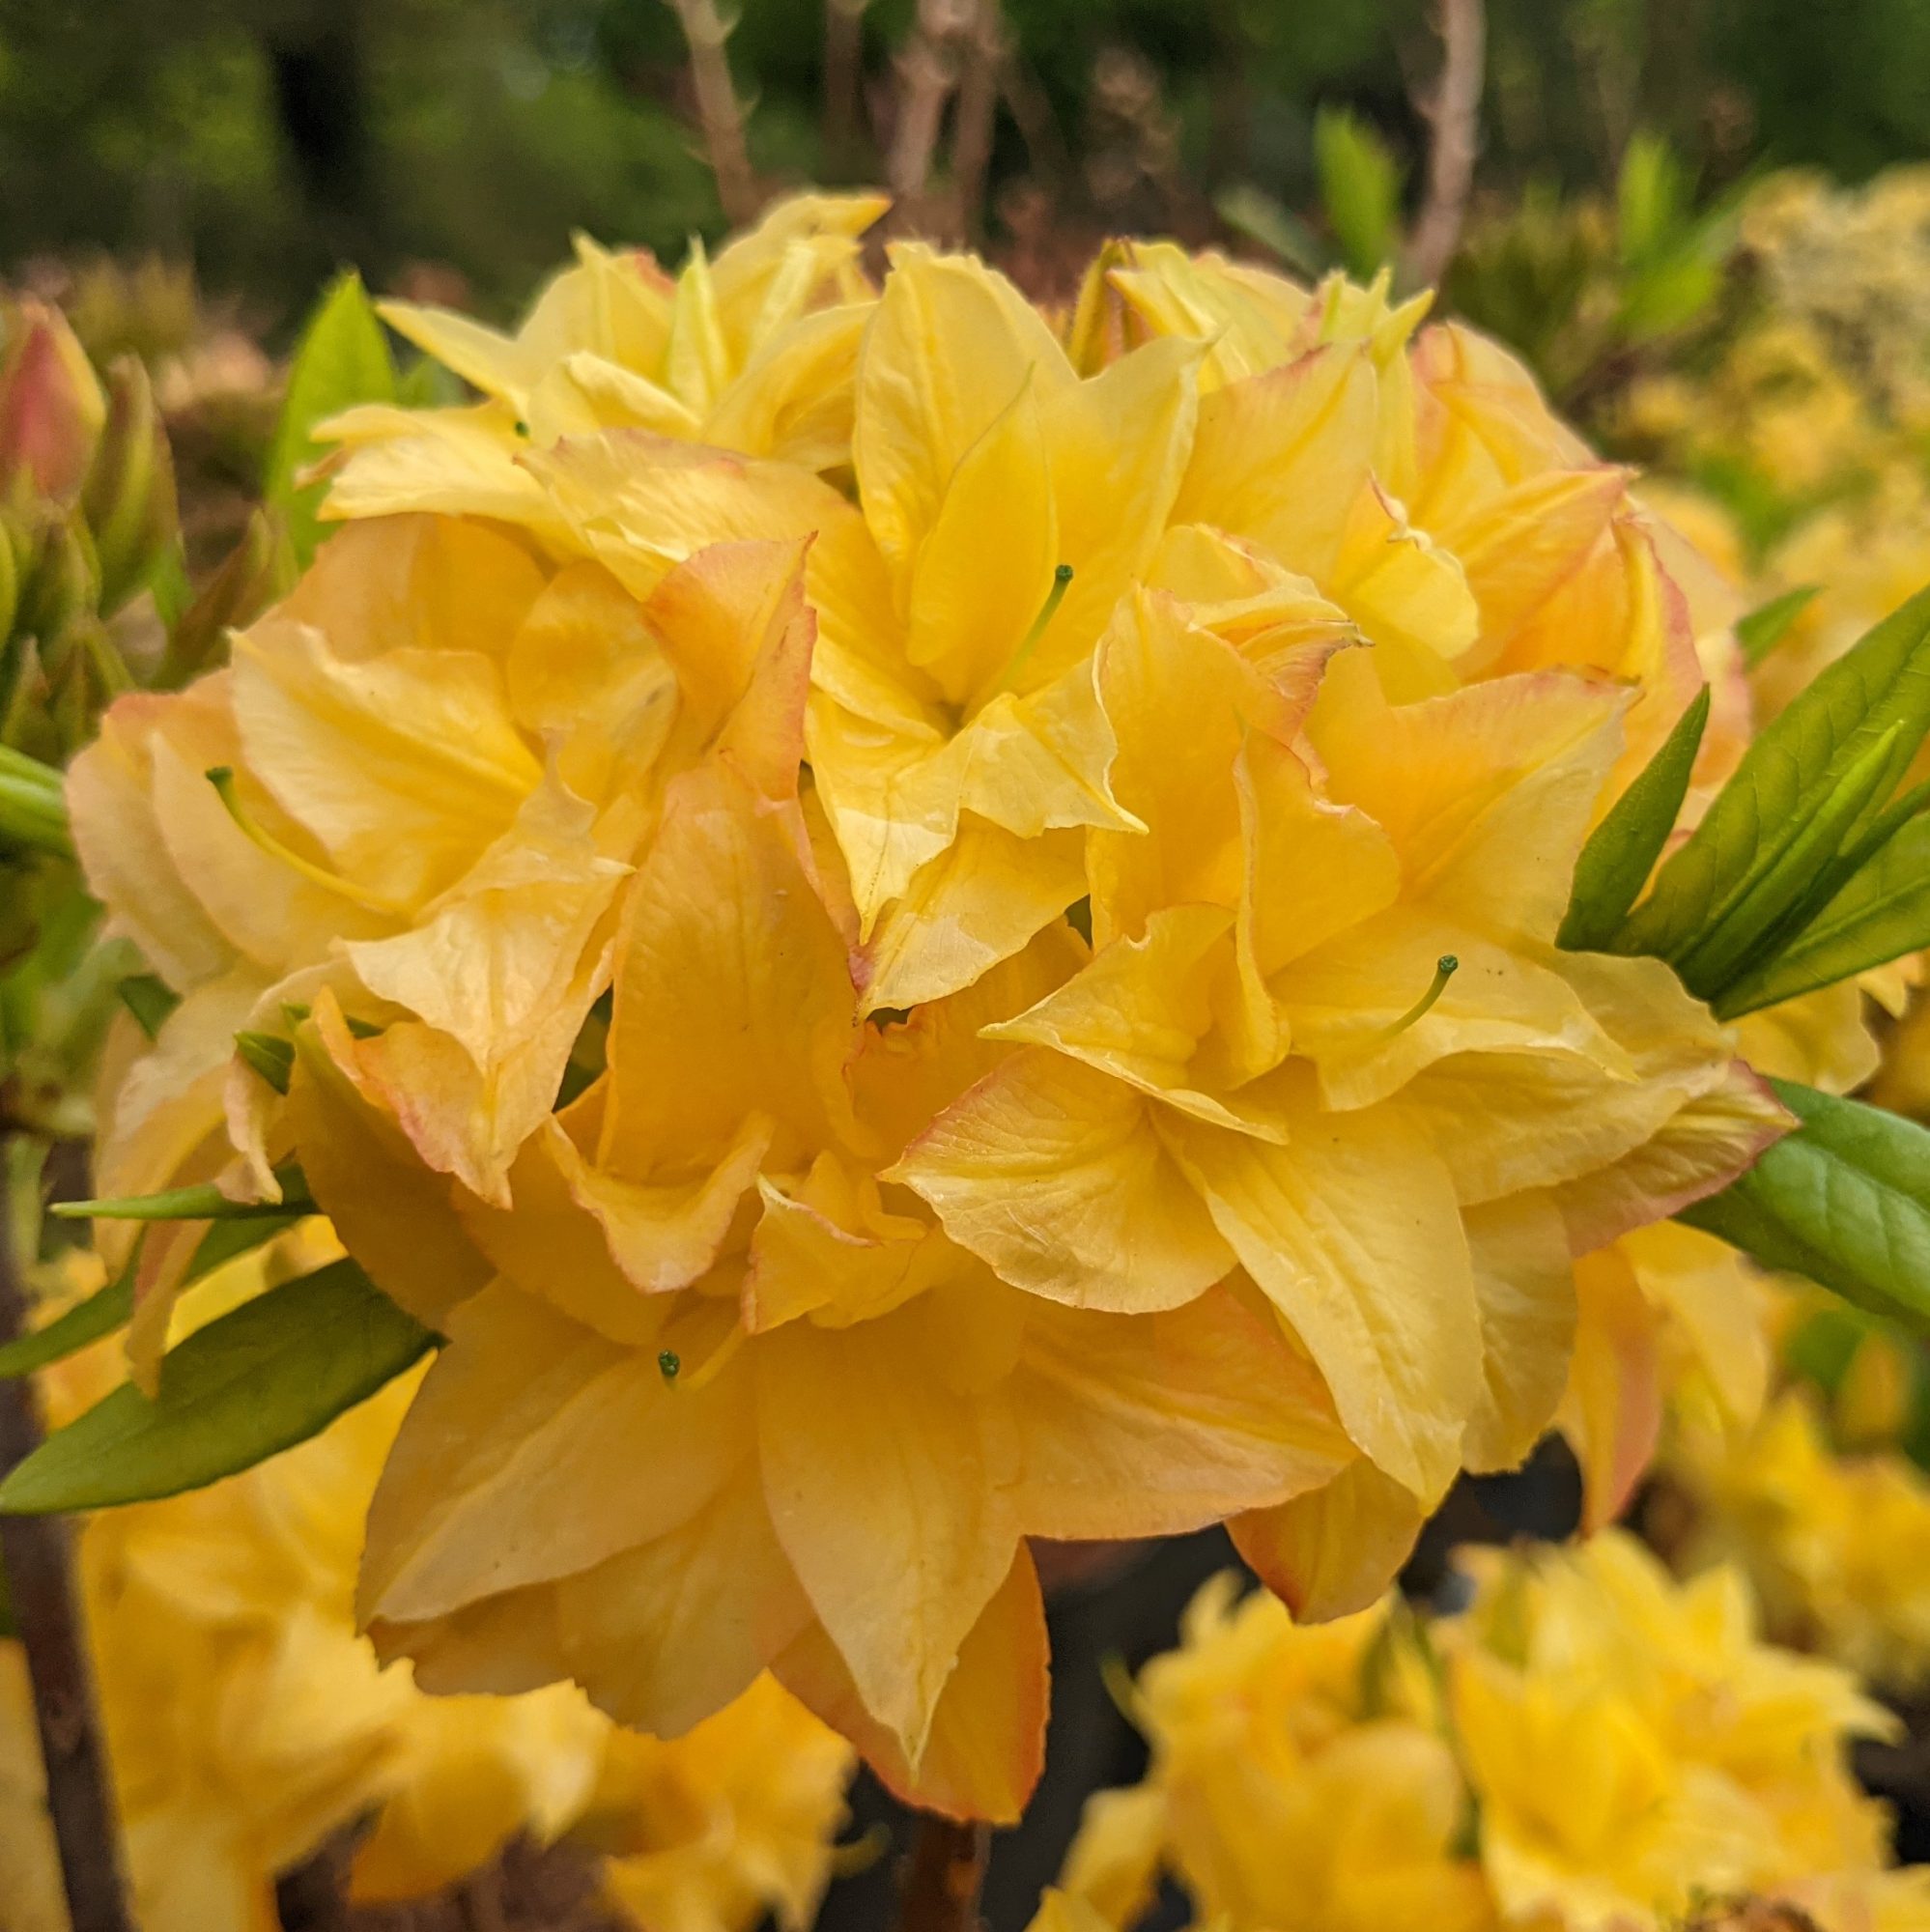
point(462, 1514)
point(663, 1635)
point(986, 1745)
point(1152, 1424)
point(394, 1214)
point(1055, 1175)
point(861, 1445)
point(733, 991)
point(1611, 1411)
point(1335, 1551)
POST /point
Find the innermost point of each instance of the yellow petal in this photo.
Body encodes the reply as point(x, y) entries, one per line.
point(1353, 1231)
point(1337, 1550)
point(1281, 457)
point(1611, 1411)
point(1055, 1175)
point(1524, 1283)
point(950, 346)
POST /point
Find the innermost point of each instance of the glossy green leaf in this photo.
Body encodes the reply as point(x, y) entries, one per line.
point(273, 1372)
point(342, 360)
point(1793, 769)
point(203, 1201)
point(1623, 849)
point(1882, 914)
point(1845, 1200)
point(101, 1314)
point(1739, 935)
point(1765, 627)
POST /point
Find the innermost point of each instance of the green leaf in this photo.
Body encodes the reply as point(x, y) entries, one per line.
point(1793, 768)
point(101, 1314)
point(1360, 188)
point(1765, 627)
point(342, 360)
point(1651, 199)
point(227, 1240)
point(203, 1201)
point(273, 1372)
point(270, 1056)
point(150, 999)
point(1623, 849)
point(1883, 913)
point(1749, 927)
point(1844, 1199)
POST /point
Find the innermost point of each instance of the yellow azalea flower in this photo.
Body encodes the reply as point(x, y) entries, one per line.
point(1635, 1746)
point(1419, 480)
point(1327, 1039)
point(441, 756)
point(751, 352)
point(1588, 1747)
point(850, 1426)
point(1299, 1781)
point(735, 1820)
point(1836, 1544)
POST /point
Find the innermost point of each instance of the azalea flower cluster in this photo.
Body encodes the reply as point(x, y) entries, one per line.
point(1588, 1745)
point(913, 925)
point(246, 1721)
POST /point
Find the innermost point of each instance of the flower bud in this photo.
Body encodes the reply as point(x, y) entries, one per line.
point(51, 408)
point(62, 578)
point(128, 497)
point(258, 570)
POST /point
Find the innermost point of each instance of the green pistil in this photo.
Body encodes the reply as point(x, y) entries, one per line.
point(1445, 968)
point(1061, 579)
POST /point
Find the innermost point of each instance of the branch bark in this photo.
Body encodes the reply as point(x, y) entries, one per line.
point(39, 1559)
point(928, 73)
point(717, 107)
point(843, 73)
point(1453, 113)
point(976, 116)
point(944, 1877)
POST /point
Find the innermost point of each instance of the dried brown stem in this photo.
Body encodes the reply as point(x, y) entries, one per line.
point(718, 108)
point(1453, 113)
point(39, 1559)
point(944, 1877)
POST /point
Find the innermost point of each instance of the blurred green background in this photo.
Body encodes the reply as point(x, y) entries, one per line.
point(266, 141)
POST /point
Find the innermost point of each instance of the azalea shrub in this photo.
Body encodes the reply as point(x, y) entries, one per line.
point(894, 924)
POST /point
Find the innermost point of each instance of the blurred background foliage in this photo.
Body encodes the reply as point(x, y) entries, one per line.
point(266, 141)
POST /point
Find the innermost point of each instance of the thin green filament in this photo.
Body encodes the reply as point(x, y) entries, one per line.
point(1445, 968)
point(223, 779)
point(1061, 581)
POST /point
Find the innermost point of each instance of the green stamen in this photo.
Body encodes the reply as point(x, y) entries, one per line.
point(1061, 581)
point(668, 1364)
point(223, 779)
point(1445, 968)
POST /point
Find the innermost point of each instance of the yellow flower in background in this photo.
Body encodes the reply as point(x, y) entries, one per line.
point(753, 352)
point(247, 1721)
point(1589, 1746)
point(1837, 1545)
